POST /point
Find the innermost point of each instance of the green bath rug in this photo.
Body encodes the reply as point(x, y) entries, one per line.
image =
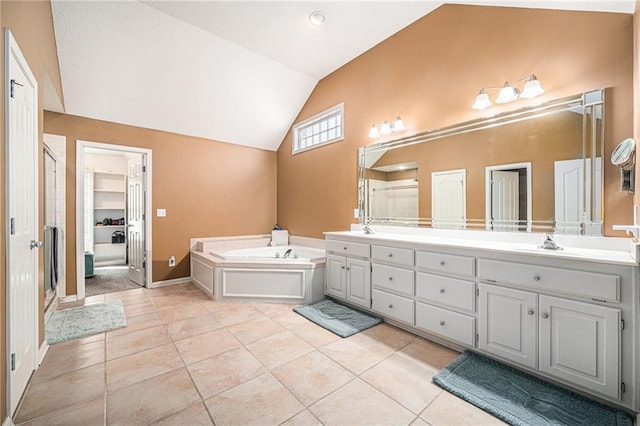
point(337, 318)
point(521, 399)
point(83, 321)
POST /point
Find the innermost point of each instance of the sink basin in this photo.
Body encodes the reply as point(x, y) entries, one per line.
point(538, 250)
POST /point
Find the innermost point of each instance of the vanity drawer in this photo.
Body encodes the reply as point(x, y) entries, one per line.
point(396, 279)
point(448, 263)
point(348, 248)
point(448, 324)
point(393, 255)
point(458, 294)
point(579, 283)
point(391, 305)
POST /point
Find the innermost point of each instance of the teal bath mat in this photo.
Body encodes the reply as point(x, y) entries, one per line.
point(83, 321)
point(521, 399)
point(337, 318)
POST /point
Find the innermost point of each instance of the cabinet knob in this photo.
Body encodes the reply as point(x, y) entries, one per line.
point(530, 311)
point(342, 267)
point(390, 306)
point(536, 277)
point(442, 263)
point(545, 315)
point(348, 269)
point(390, 254)
point(344, 248)
point(442, 290)
point(441, 323)
point(390, 278)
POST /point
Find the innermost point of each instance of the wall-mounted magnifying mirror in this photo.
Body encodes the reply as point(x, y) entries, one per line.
point(623, 156)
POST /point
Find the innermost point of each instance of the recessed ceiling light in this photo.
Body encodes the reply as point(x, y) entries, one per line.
point(317, 18)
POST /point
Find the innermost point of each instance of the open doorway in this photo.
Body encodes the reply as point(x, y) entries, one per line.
point(113, 237)
point(508, 197)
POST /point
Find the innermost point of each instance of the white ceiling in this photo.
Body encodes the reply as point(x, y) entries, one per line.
point(232, 71)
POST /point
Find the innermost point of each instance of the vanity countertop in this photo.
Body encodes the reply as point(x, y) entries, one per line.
point(622, 254)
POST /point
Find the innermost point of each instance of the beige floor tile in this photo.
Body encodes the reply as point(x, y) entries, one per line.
point(137, 341)
point(312, 376)
point(250, 331)
point(405, 381)
point(151, 400)
point(237, 314)
point(262, 400)
point(279, 349)
point(81, 341)
point(221, 372)
point(182, 312)
point(166, 290)
point(303, 419)
point(197, 348)
point(314, 334)
point(193, 326)
point(448, 409)
point(360, 403)
point(134, 368)
point(83, 414)
point(63, 359)
point(358, 353)
point(196, 415)
point(287, 318)
point(127, 293)
point(429, 353)
point(213, 306)
point(173, 301)
point(419, 422)
point(130, 299)
point(61, 392)
point(137, 323)
point(139, 309)
point(390, 336)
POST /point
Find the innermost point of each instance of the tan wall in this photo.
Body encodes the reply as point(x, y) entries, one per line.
point(430, 72)
point(208, 188)
point(31, 24)
point(636, 97)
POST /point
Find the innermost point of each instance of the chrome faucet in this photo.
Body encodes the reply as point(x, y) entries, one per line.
point(367, 229)
point(549, 243)
point(286, 254)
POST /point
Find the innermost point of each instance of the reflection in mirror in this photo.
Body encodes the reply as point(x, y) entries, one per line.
point(535, 169)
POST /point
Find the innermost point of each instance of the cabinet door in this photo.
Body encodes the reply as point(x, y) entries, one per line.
point(359, 282)
point(508, 323)
point(336, 276)
point(580, 343)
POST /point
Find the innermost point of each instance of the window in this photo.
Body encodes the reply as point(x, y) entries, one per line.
point(321, 129)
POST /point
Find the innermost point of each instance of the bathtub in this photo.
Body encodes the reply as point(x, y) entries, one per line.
point(258, 274)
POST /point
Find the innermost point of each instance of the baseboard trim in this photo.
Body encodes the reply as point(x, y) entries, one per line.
point(164, 283)
point(8, 422)
point(44, 348)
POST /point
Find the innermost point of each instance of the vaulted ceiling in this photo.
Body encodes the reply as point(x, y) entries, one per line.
point(233, 71)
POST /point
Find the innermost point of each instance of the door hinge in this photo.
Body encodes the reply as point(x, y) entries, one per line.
point(144, 264)
point(370, 303)
point(477, 337)
point(13, 362)
point(621, 324)
point(623, 387)
point(477, 292)
point(144, 169)
point(13, 84)
point(13, 225)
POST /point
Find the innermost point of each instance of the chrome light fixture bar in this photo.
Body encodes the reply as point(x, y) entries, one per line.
point(509, 93)
point(387, 128)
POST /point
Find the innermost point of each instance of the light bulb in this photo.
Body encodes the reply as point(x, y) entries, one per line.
point(398, 125)
point(482, 101)
point(532, 88)
point(507, 94)
point(373, 132)
point(385, 129)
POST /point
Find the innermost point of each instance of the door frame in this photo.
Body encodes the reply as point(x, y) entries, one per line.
point(80, 147)
point(487, 191)
point(12, 48)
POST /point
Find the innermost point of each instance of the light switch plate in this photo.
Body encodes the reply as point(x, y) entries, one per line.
point(161, 213)
point(356, 213)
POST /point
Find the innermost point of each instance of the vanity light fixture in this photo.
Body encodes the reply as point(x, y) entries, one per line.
point(387, 128)
point(509, 93)
point(317, 18)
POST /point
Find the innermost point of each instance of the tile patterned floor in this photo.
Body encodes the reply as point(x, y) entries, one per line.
point(184, 359)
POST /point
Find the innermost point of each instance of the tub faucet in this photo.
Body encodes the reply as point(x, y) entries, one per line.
point(549, 243)
point(286, 254)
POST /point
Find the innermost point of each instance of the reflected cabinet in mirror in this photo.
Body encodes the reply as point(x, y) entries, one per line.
point(535, 169)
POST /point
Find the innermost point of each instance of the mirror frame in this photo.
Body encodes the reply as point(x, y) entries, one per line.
point(592, 147)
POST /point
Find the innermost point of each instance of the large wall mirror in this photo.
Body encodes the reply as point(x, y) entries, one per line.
point(535, 169)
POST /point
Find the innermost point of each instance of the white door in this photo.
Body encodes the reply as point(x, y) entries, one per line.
point(448, 199)
point(135, 220)
point(572, 201)
point(505, 200)
point(580, 342)
point(22, 210)
point(336, 276)
point(359, 282)
point(508, 323)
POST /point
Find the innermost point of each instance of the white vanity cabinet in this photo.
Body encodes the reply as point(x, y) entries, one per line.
point(393, 281)
point(348, 274)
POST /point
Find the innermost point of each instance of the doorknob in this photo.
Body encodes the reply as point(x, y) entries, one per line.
point(35, 244)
